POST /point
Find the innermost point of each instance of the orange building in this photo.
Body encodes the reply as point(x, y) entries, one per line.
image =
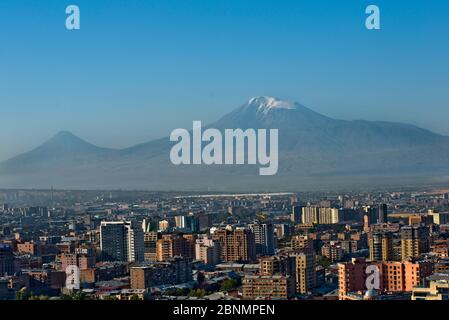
point(440, 247)
point(351, 277)
point(173, 245)
point(301, 242)
point(29, 248)
point(415, 273)
point(236, 245)
point(394, 276)
point(72, 259)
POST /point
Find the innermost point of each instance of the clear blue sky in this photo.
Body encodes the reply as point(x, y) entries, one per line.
point(139, 68)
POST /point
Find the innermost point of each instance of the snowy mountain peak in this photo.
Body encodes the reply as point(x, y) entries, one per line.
point(265, 104)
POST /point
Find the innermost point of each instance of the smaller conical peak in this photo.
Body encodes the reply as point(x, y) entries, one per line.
point(66, 138)
point(65, 135)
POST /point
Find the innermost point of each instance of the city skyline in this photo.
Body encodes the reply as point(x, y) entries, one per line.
point(123, 245)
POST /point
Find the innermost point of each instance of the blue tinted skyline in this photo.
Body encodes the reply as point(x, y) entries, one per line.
point(138, 69)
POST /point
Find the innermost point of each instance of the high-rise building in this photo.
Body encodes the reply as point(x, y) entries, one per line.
point(320, 215)
point(268, 287)
point(204, 220)
point(87, 256)
point(414, 241)
point(173, 271)
point(440, 217)
point(279, 264)
point(301, 243)
point(296, 215)
point(68, 259)
point(382, 213)
point(187, 222)
point(381, 246)
point(135, 239)
point(397, 250)
point(299, 264)
point(351, 277)
point(236, 245)
point(332, 251)
point(377, 214)
point(173, 245)
point(83, 259)
point(283, 230)
point(179, 221)
point(347, 214)
point(371, 213)
point(208, 251)
point(113, 241)
point(440, 247)
point(7, 265)
point(264, 238)
point(149, 243)
point(327, 215)
point(30, 247)
point(163, 225)
point(366, 223)
point(394, 276)
point(121, 241)
point(415, 273)
point(304, 270)
point(310, 215)
point(148, 225)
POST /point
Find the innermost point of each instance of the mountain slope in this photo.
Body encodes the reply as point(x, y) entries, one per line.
point(64, 149)
point(304, 128)
point(314, 151)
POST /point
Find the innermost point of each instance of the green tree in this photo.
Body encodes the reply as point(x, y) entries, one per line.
point(323, 261)
point(199, 293)
point(77, 295)
point(229, 284)
point(22, 294)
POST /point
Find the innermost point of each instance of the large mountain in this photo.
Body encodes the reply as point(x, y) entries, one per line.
point(315, 151)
